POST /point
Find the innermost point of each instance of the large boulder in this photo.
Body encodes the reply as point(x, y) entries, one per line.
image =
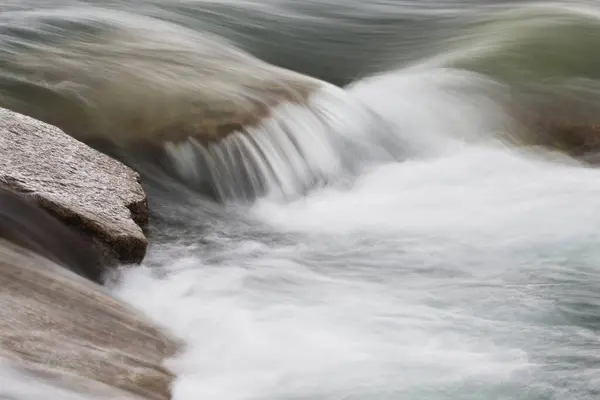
point(58, 328)
point(92, 193)
point(68, 331)
point(114, 86)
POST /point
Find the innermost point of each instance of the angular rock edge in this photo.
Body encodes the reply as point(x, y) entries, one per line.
point(87, 190)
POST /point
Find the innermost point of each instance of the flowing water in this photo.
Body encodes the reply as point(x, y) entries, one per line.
point(392, 239)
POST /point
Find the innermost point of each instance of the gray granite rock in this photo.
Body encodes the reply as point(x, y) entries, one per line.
point(71, 332)
point(89, 191)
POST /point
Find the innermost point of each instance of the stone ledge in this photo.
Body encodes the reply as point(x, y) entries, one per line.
point(87, 190)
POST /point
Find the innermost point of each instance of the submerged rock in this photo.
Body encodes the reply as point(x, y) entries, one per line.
point(581, 140)
point(87, 190)
point(69, 332)
point(193, 84)
point(563, 119)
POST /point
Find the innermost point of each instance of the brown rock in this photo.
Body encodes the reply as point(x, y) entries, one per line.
point(579, 139)
point(84, 188)
point(69, 331)
point(564, 119)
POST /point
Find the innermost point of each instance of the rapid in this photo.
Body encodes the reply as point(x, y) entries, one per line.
point(403, 234)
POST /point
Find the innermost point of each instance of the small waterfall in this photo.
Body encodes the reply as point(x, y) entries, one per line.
point(221, 120)
point(448, 251)
point(229, 124)
point(296, 148)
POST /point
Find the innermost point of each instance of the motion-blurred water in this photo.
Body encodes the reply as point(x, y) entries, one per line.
point(445, 263)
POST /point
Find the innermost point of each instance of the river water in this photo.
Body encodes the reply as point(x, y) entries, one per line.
point(445, 263)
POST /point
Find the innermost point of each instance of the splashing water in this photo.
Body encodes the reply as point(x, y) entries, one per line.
point(297, 149)
point(245, 131)
point(466, 272)
point(386, 240)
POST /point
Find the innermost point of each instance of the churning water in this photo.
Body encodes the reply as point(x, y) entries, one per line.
point(466, 273)
point(430, 259)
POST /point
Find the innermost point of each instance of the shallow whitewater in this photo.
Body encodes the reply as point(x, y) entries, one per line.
point(461, 267)
point(473, 275)
point(465, 271)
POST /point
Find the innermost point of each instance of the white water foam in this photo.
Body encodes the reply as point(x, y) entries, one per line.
point(468, 274)
point(21, 384)
point(298, 148)
point(337, 133)
point(435, 111)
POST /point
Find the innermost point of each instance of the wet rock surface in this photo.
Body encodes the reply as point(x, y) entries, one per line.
point(65, 329)
point(87, 190)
